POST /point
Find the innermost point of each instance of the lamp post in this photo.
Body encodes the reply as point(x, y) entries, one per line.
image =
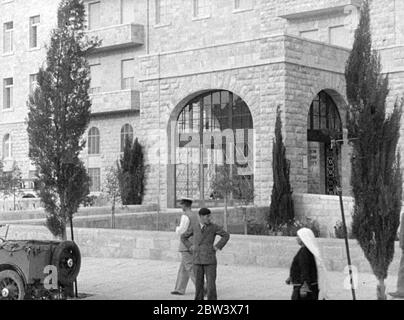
point(335, 146)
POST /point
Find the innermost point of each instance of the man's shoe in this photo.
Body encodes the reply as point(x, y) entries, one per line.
point(177, 293)
point(397, 294)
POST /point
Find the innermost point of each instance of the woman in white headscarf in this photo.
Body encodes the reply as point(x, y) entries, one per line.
point(308, 274)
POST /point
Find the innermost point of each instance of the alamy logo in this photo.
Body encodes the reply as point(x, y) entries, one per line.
point(51, 280)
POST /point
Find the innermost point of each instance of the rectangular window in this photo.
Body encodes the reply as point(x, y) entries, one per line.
point(95, 85)
point(8, 37)
point(310, 34)
point(8, 93)
point(201, 8)
point(339, 36)
point(127, 11)
point(161, 12)
point(94, 15)
point(33, 31)
point(33, 82)
point(95, 179)
point(128, 74)
point(242, 4)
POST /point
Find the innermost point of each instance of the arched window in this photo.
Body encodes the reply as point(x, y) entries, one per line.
point(126, 134)
point(324, 119)
point(93, 141)
point(7, 147)
point(323, 126)
point(215, 129)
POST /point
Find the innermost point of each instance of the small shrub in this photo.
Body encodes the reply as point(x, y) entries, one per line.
point(290, 228)
point(258, 229)
point(89, 201)
point(339, 231)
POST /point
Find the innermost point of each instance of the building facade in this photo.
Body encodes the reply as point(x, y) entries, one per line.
point(199, 83)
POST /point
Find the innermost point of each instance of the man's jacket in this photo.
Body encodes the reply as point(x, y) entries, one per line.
point(203, 241)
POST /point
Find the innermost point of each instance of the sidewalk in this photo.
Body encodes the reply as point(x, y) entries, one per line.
point(129, 279)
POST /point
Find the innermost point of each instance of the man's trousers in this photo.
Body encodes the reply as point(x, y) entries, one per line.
point(185, 272)
point(208, 271)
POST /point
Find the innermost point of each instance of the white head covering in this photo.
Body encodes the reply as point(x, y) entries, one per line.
point(310, 242)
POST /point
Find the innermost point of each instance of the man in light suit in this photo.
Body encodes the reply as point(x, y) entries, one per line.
point(204, 251)
point(400, 279)
point(185, 270)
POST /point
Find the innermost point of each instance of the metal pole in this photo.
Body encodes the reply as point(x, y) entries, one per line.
point(339, 190)
point(346, 242)
point(72, 235)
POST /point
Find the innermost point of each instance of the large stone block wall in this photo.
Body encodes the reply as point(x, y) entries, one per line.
point(223, 24)
point(19, 65)
point(260, 87)
point(307, 74)
point(111, 67)
point(270, 252)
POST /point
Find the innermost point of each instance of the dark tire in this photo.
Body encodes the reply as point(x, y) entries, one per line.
point(67, 259)
point(11, 286)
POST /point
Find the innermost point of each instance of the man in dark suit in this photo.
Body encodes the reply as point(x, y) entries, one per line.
point(203, 233)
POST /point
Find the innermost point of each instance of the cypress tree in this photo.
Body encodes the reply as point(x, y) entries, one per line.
point(376, 175)
point(138, 172)
point(132, 173)
point(59, 113)
point(281, 209)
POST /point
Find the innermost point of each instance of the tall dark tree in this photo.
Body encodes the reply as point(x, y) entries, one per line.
point(376, 175)
point(59, 113)
point(281, 209)
point(132, 173)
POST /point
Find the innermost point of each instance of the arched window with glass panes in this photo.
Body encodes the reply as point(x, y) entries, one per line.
point(93, 141)
point(126, 135)
point(7, 147)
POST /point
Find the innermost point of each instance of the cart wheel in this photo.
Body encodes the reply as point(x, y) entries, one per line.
point(11, 286)
point(67, 259)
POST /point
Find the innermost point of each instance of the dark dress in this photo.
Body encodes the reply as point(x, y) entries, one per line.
point(304, 270)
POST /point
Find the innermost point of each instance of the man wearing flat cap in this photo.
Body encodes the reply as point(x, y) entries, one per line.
point(186, 267)
point(203, 248)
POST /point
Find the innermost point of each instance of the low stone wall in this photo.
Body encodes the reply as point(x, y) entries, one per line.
point(139, 218)
point(20, 204)
point(167, 221)
point(324, 209)
point(83, 211)
point(265, 251)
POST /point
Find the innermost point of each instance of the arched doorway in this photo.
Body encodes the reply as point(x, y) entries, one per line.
point(214, 129)
point(323, 125)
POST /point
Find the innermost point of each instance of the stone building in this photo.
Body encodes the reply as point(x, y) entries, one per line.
point(182, 74)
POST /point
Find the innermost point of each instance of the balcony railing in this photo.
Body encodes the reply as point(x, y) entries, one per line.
point(119, 36)
point(115, 101)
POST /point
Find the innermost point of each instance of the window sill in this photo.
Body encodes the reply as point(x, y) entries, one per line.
point(242, 10)
point(162, 25)
point(94, 155)
point(201, 18)
point(7, 1)
point(7, 110)
point(34, 49)
point(8, 54)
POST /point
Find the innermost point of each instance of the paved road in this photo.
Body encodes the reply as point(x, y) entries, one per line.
point(129, 279)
